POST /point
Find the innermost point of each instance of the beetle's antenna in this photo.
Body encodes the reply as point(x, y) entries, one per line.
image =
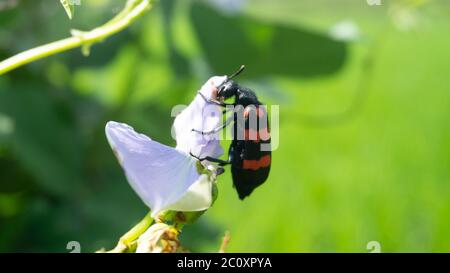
point(242, 68)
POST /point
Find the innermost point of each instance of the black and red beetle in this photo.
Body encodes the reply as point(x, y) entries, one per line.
point(250, 163)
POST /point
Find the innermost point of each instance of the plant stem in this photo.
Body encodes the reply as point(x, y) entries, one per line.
point(127, 242)
point(137, 230)
point(133, 10)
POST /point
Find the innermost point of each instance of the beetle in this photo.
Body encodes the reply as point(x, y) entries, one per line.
point(250, 164)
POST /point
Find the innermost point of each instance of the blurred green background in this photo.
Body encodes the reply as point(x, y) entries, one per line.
point(364, 128)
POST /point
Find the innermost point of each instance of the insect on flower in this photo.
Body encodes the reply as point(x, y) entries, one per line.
point(204, 115)
point(250, 163)
point(167, 178)
point(159, 174)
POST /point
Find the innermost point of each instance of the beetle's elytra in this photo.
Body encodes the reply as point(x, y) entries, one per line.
point(250, 165)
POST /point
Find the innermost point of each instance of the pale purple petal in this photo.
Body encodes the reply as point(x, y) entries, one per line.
point(203, 116)
point(159, 174)
point(197, 198)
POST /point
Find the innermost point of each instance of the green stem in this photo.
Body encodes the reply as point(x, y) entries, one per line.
point(127, 243)
point(133, 10)
point(137, 230)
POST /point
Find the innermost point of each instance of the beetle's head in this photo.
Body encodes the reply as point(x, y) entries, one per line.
point(229, 88)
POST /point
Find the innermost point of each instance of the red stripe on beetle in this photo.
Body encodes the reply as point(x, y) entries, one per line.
point(259, 110)
point(254, 165)
point(251, 134)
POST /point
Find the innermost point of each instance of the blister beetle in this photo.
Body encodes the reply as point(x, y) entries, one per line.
point(250, 164)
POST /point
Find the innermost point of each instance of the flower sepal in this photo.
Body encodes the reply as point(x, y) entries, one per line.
point(181, 218)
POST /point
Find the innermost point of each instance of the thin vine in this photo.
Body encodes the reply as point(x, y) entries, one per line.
point(84, 39)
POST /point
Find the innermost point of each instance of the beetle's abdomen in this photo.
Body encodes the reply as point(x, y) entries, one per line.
point(251, 164)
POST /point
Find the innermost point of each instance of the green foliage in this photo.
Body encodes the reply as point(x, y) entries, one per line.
point(270, 49)
point(379, 173)
point(68, 7)
point(43, 140)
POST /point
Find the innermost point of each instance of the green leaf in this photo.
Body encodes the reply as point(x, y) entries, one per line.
point(266, 49)
point(68, 7)
point(44, 139)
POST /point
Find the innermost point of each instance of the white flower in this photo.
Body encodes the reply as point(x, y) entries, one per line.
point(167, 178)
point(203, 116)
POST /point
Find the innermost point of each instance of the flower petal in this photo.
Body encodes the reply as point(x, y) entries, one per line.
point(197, 198)
point(159, 174)
point(203, 116)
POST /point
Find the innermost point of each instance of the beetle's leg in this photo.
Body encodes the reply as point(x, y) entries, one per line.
point(220, 161)
point(216, 102)
point(196, 157)
point(216, 130)
point(217, 160)
point(220, 171)
point(211, 159)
